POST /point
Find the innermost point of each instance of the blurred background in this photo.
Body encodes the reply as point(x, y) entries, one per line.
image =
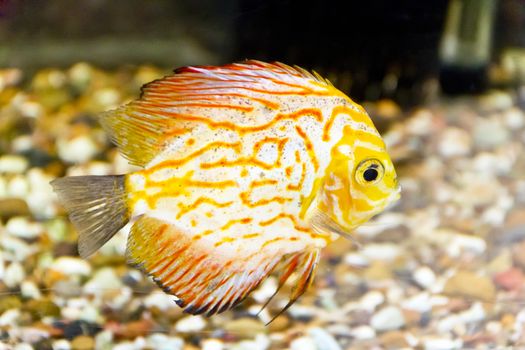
point(444, 82)
point(375, 48)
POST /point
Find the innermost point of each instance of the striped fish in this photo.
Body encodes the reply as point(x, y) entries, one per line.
point(247, 168)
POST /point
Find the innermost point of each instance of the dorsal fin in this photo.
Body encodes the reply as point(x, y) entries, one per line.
point(173, 105)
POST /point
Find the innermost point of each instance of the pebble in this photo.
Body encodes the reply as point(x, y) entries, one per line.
point(424, 277)
point(22, 227)
point(388, 318)
point(18, 186)
point(61, 344)
point(16, 249)
point(23, 346)
point(261, 342)
point(212, 344)
point(442, 344)
point(160, 300)
point(394, 340)
point(420, 302)
point(381, 251)
point(83, 342)
point(420, 123)
point(469, 285)
point(13, 164)
point(71, 266)
point(14, 275)
point(104, 340)
point(371, 300)
point(9, 302)
point(10, 318)
point(77, 150)
point(363, 333)
point(494, 100)
point(265, 291)
point(245, 327)
point(190, 324)
point(28, 334)
point(323, 339)
point(490, 133)
point(103, 280)
point(454, 142)
point(164, 342)
point(303, 343)
point(511, 279)
point(514, 118)
point(40, 308)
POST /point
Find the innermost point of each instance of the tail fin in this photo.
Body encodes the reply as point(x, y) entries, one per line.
point(96, 205)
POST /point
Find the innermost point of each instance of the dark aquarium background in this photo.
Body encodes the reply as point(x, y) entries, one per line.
point(443, 81)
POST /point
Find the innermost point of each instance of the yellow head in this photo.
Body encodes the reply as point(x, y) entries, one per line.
point(360, 180)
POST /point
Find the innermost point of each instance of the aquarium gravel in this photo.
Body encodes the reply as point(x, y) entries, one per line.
point(442, 269)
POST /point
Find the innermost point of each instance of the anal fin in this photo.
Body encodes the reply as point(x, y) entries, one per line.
point(204, 280)
point(305, 265)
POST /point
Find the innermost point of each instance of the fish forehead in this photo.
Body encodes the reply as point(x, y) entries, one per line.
point(240, 176)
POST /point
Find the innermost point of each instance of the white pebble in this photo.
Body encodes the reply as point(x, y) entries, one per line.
point(13, 164)
point(212, 344)
point(14, 275)
point(61, 344)
point(18, 187)
point(454, 142)
point(23, 228)
point(125, 345)
point(496, 99)
point(190, 324)
point(163, 342)
point(10, 317)
point(103, 280)
point(16, 249)
point(490, 133)
point(266, 290)
point(71, 266)
point(323, 339)
point(356, 259)
point(261, 342)
point(424, 277)
point(91, 314)
point(160, 300)
point(514, 118)
point(420, 302)
point(363, 333)
point(23, 346)
point(442, 344)
point(30, 290)
point(303, 343)
point(22, 143)
point(388, 318)
point(475, 313)
point(3, 187)
point(31, 109)
point(381, 251)
point(124, 295)
point(104, 340)
point(108, 97)
point(421, 123)
point(80, 149)
point(371, 300)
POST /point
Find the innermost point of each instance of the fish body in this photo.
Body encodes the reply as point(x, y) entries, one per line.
point(246, 167)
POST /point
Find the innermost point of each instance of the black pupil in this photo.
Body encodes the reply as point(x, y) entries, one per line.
point(370, 174)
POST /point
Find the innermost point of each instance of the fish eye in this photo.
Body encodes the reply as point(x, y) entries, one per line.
point(369, 171)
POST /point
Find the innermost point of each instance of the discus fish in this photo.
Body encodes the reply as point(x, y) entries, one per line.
point(247, 169)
